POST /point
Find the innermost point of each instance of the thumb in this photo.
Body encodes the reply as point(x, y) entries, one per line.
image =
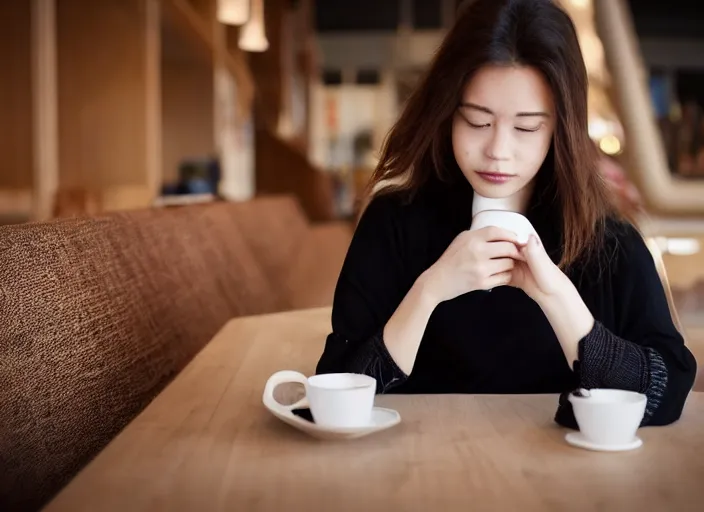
point(534, 252)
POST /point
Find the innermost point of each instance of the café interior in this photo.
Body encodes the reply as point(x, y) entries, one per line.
point(180, 183)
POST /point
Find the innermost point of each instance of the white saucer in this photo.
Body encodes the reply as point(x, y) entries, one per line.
point(577, 439)
point(382, 419)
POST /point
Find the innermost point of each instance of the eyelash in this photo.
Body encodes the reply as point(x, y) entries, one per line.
point(524, 130)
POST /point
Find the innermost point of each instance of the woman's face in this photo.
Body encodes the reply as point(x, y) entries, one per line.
point(503, 128)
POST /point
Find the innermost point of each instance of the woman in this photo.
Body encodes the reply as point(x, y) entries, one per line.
point(503, 112)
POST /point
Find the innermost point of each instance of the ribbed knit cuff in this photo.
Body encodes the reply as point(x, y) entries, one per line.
point(658, 382)
point(607, 361)
point(373, 359)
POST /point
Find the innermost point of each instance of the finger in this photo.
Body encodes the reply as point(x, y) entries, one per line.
point(504, 250)
point(500, 266)
point(536, 258)
point(497, 234)
point(502, 279)
point(534, 252)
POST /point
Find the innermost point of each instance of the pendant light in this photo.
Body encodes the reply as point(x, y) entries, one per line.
point(252, 34)
point(233, 12)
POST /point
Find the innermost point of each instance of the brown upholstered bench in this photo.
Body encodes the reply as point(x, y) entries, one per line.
point(99, 314)
point(301, 260)
point(275, 228)
point(316, 267)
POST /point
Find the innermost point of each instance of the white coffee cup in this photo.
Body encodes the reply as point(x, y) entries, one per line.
point(336, 400)
point(510, 221)
point(608, 416)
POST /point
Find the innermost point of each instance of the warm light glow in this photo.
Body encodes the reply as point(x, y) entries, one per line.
point(610, 145)
point(678, 246)
point(580, 4)
point(592, 51)
point(252, 34)
point(233, 12)
point(599, 128)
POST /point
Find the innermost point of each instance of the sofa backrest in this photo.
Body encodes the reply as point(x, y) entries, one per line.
point(98, 315)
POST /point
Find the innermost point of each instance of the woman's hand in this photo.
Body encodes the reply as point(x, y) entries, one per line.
point(547, 285)
point(537, 275)
point(475, 260)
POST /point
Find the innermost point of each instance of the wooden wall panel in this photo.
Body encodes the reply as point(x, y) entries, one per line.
point(16, 159)
point(103, 93)
point(188, 123)
point(284, 169)
point(267, 67)
point(187, 113)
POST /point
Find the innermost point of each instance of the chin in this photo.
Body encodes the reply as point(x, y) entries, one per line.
point(492, 191)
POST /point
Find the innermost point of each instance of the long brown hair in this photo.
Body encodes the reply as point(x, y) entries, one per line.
point(534, 33)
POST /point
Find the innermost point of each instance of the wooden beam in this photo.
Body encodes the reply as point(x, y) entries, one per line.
point(46, 128)
point(16, 95)
point(663, 193)
point(196, 24)
point(107, 89)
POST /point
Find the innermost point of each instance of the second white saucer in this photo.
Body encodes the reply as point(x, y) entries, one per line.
point(578, 440)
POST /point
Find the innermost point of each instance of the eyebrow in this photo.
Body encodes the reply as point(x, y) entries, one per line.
point(474, 106)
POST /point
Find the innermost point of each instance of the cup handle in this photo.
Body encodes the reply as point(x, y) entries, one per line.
point(283, 377)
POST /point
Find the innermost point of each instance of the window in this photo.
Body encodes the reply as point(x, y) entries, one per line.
point(427, 14)
point(353, 15)
point(367, 77)
point(678, 102)
point(332, 76)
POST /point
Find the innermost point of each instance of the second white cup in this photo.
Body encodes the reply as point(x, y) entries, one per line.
point(608, 416)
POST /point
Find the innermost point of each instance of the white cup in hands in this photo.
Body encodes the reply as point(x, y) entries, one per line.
point(510, 221)
point(479, 259)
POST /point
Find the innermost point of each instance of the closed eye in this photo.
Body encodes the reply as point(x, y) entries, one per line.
point(525, 130)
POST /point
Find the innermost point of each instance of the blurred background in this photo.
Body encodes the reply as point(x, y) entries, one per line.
point(111, 105)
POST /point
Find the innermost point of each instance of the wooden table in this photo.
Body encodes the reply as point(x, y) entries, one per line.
point(207, 443)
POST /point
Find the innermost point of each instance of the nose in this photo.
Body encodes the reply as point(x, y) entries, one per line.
point(498, 145)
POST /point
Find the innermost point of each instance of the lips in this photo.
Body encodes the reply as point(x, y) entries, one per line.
point(495, 177)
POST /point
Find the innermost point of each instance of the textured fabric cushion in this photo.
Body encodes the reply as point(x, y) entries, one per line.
point(316, 267)
point(97, 316)
point(275, 227)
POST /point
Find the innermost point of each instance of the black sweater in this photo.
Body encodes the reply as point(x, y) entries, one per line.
point(501, 342)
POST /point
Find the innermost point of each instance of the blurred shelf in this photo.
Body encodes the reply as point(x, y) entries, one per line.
point(184, 200)
point(672, 226)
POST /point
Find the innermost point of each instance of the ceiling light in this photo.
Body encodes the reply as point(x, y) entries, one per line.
point(233, 12)
point(252, 34)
